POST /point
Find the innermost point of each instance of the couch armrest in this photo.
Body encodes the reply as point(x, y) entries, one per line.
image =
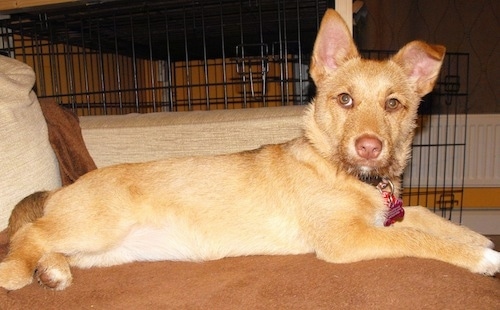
point(142, 137)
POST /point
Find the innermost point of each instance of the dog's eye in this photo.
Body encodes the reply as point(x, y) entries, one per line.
point(345, 100)
point(392, 104)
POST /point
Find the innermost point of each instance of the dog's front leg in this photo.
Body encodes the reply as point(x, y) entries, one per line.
point(423, 219)
point(342, 239)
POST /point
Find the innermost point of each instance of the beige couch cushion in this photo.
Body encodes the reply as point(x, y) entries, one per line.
point(141, 137)
point(27, 162)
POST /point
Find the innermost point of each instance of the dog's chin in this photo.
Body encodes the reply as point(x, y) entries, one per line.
point(363, 168)
point(364, 171)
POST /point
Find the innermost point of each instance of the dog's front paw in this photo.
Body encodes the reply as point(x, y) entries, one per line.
point(14, 275)
point(490, 264)
point(474, 238)
point(53, 272)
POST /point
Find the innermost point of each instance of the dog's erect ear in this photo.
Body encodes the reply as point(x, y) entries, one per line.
point(333, 46)
point(421, 62)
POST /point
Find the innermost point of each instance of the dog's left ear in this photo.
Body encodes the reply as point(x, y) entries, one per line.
point(421, 62)
point(333, 46)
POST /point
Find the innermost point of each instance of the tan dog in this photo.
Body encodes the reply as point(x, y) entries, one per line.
point(298, 197)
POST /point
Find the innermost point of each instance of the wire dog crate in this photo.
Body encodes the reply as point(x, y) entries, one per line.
point(169, 55)
point(126, 56)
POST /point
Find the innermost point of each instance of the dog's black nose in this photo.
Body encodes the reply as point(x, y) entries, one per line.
point(368, 147)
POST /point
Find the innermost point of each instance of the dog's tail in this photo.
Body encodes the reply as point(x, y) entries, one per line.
point(27, 211)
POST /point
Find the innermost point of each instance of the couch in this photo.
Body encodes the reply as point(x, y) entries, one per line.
point(29, 162)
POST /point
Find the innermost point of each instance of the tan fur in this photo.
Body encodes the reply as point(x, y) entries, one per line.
point(26, 211)
point(298, 197)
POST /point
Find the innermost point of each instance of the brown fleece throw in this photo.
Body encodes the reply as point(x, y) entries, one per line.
point(266, 282)
point(66, 139)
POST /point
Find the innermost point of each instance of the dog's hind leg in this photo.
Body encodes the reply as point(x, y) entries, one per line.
point(423, 219)
point(29, 255)
point(44, 244)
point(26, 248)
point(53, 272)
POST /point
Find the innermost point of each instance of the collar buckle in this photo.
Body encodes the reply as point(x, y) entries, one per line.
point(384, 184)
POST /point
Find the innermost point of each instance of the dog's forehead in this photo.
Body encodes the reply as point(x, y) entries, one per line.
point(372, 76)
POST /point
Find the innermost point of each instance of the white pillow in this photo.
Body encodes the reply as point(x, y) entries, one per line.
point(27, 161)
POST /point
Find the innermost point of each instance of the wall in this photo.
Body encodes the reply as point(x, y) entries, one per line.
point(461, 25)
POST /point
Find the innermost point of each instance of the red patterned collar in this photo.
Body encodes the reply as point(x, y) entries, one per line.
point(394, 204)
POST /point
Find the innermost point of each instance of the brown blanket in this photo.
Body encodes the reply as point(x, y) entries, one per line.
point(266, 282)
point(66, 139)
